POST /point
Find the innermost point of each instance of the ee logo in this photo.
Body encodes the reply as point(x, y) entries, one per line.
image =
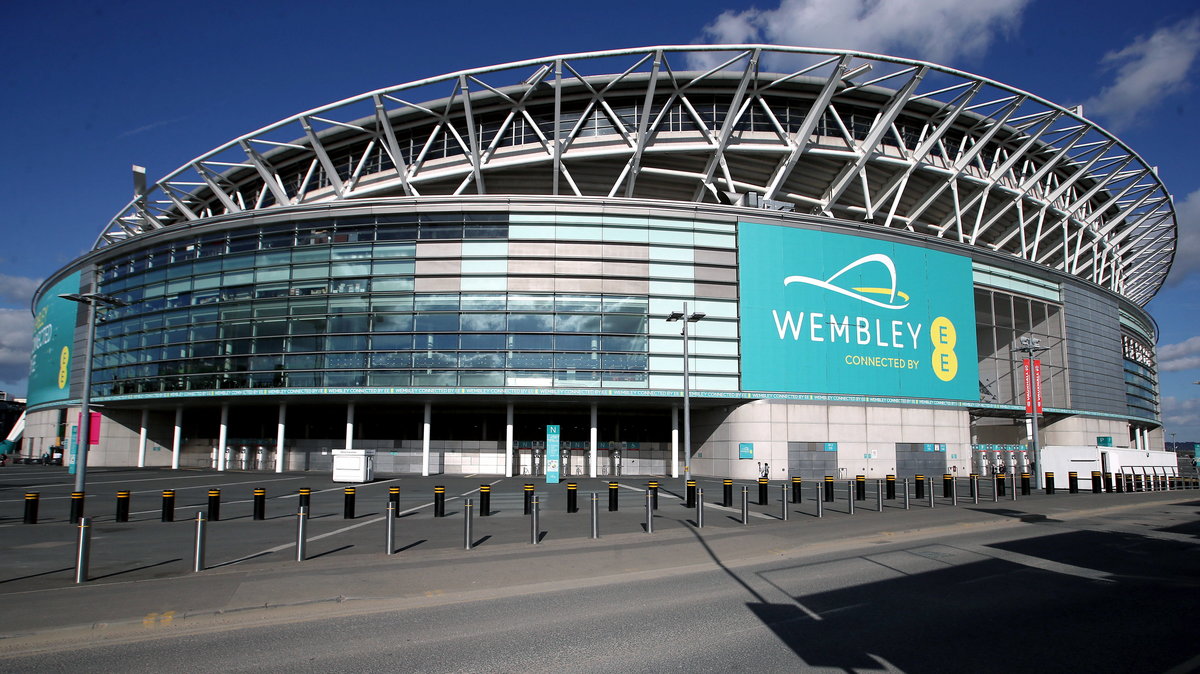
point(945, 362)
point(64, 359)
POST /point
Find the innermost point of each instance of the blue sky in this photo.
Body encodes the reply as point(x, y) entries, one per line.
point(91, 88)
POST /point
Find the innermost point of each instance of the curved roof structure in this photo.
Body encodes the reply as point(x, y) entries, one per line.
point(889, 142)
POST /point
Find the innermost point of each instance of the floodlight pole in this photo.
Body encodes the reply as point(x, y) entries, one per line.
point(1031, 347)
point(83, 439)
point(686, 318)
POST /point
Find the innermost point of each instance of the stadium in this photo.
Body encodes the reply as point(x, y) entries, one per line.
point(727, 260)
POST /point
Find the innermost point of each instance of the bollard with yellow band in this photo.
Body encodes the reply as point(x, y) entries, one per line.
point(305, 495)
point(919, 487)
point(691, 494)
point(214, 505)
point(652, 489)
point(797, 485)
point(727, 493)
point(394, 500)
point(528, 499)
point(890, 487)
point(1072, 482)
point(439, 501)
point(612, 497)
point(572, 497)
point(763, 486)
point(31, 507)
point(829, 489)
point(1049, 482)
point(76, 506)
point(122, 506)
point(260, 503)
point(485, 500)
point(860, 487)
point(168, 505)
point(348, 503)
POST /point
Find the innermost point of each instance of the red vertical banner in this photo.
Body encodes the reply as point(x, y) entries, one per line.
point(93, 428)
point(1037, 385)
point(1028, 371)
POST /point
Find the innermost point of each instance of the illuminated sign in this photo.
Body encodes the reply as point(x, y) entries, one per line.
point(53, 342)
point(832, 313)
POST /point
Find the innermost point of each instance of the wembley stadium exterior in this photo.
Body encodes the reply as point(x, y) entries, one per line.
point(857, 245)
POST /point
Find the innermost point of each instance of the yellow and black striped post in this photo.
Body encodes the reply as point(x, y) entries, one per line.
point(974, 480)
point(260, 503)
point(1049, 482)
point(1072, 482)
point(485, 500)
point(439, 501)
point(305, 495)
point(919, 487)
point(1097, 484)
point(528, 498)
point(1120, 483)
point(31, 506)
point(797, 483)
point(122, 506)
point(652, 487)
point(214, 505)
point(1108, 483)
point(612, 496)
point(947, 484)
point(394, 499)
point(1001, 486)
point(1025, 484)
point(860, 487)
point(168, 505)
point(691, 494)
point(76, 506)
point(829, 489)
point(890, 487)
point(572, 497)
point(727, 493)
point(763, 487)
point(349, 494)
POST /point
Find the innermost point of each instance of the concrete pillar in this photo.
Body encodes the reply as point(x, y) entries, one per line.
point(176, 439)
point(142, 439)
point(508, 442)
point(280, 457)
point(425, 439)
point(674, 442)
point(592, 444)
point(222, 437)
point(349, 426)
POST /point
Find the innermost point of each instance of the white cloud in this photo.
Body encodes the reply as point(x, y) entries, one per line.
point(1187, 248)
point(1180, 411)
point(1182, 356)
point(17, 289)
point(16, 343)
point(1146, 70)
point(935, 30)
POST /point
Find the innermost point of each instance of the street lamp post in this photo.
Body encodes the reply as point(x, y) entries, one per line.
point(1032, 346)
point(85, 419)
point(687, 413)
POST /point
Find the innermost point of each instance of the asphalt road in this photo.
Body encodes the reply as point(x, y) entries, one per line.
point(1075, 583)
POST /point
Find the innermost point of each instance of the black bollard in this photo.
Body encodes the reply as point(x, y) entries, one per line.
point(394, 500)
point(439, 501)
point(691, 494)
point(76, 506)
point(727, 493)
point(829, 489)
point(305, 501)
point(652, 489)
point(1001, 479)
point(1072, 482)
point(974, 480)
point(214, 505)
point(168, 505)
point(1120, 483)
point(1097, 485)
point(572, 496)
point(122, 506)
point(860, 487)
point(612, 496)
point(763, 486)
point(1108, 483)
point(31, 506)
point(1024, 484)
point(947, 484)
point(797, 484)
point(528, 499)
point(919, 487)
point(260, 503)
point(485, 500)
point(348, 503)
point(1049, 483)
point(891, 487)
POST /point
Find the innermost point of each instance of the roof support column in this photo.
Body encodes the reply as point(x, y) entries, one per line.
point(425, 439)
point(508, 440)
point(176, 438)
point(592, 448)
point(281, 426)
point(222, 437)
point(674, 442)
point(349, 425)
point(142, 439)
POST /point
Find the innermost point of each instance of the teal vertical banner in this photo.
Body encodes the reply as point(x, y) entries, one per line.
point(53, 339)
point(553, 453)
point(831, 313)
point(745, 450)
point(74, 450)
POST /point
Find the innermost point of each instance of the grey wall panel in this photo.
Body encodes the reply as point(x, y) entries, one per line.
point(1097, 380)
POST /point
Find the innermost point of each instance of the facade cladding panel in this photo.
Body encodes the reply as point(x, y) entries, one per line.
point(385, 286)
point(1094, 350)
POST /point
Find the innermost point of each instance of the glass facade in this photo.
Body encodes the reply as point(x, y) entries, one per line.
point(1001, 319)
point(333, 304)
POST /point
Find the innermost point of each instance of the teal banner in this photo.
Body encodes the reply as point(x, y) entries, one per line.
point(53, 343)
point(553, 453)
point(838, 314)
